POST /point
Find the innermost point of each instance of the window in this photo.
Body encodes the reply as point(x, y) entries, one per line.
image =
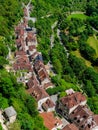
point(78, 121)
point(75, 118)
point(84, 116)
point(73, 112)
point(82, 126)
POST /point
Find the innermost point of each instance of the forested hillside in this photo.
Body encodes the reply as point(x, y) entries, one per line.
point(67, 34)
point(73, 48)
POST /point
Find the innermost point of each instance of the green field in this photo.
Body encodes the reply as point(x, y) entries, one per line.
point(80, 16)
point(93, 42)
point(77, 53)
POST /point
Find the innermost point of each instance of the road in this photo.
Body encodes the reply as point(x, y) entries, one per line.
point(28, 13)
point(52, 35)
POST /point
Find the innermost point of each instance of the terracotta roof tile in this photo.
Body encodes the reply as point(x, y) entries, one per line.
point(83, 118)
point(47, 85)
point(38, 93)
point(70, 127)
point(72, 100)
point(50, 121)
point(32, 47)
point(48, 104)
point(32, 82)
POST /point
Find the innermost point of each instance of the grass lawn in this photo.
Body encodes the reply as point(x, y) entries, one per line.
point(93, 42)
point(80, 16)
point(77, 53)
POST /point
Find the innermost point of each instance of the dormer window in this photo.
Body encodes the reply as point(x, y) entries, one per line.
point(89, 125)
point(75, 118)
point(73, 112)
point(82, 126)
point(84, 116)
point(78, 121)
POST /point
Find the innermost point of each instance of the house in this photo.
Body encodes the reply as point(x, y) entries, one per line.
point(19, 53)
point(48, 85)
point(10, 114)
point(68, 103)
point(19, 43)
point(34, 55)
point(96, 120)
point(39, 94)
point(41, 72)
point(38, 64)
point(84, 118)
point(33, 82)
point(32, 49)
point(48, 105)
point(22, 62)
point(50, 121)
point(31, 38)
point(70, 127)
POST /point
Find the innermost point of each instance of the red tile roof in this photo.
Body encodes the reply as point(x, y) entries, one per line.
point(18, 53)
point(32, 47)
point(32, 82)
point(48, 104)
point(83, 118)
point(47, 85)
point(38, 65)
point(50, 121)
point(72, 100)
point(34, 55)
point(31, 37)
point(42, 74)
point(38, 93)
point(23, 67)
point(41, 70)
point(96, 119)
point(70, 127)
point(22, 63)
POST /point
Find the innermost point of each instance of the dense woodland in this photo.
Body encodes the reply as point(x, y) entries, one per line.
point(75, 66)
point(72, 70)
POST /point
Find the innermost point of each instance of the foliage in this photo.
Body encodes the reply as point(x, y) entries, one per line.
point(77, 65)
point(87, 51)
point(90, 74)
point(93, 103)
point(13, 94)
point(89, 88)
point(30, 23)
point(10, 14)
point(61, 85)
point(0, 127)
point(3, 102)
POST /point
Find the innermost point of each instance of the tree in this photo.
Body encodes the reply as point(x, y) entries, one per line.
point(3, 102)
point(89, 89)
point(30, 23)
point(77, 65)
point(87, 51)
point(93, 103)
point(90, 74)
point(31, 105)
point(57, 66)
point(3, 61)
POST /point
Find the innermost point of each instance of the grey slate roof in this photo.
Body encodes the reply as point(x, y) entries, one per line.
point(10, 111)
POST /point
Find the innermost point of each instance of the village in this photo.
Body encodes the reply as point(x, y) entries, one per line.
point(29, 65)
